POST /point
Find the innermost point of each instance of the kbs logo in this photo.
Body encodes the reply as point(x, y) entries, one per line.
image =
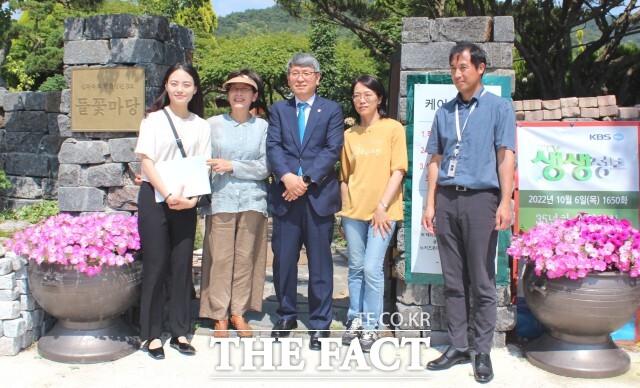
point(599, 136)
point(606, 136)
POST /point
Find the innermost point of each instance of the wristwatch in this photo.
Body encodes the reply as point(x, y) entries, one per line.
point(307, 180)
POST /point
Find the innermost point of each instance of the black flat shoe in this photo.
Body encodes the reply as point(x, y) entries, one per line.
point(483, 371)
point(449, 358)
point(155, 353)
point(283, 328)
point(182, 347)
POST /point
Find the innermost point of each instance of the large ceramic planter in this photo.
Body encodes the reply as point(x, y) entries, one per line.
point(580, 315)
point(88, 309)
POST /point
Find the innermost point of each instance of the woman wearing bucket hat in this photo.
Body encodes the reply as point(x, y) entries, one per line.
point(235, 244)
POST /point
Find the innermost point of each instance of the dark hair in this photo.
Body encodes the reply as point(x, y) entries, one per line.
point(374, 84)
point(476, 53)
point(196, 105)
point(255, 77)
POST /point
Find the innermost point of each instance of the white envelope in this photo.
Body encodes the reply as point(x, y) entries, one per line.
point(192, 172)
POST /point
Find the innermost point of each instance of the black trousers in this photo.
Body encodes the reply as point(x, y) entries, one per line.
point(466, 235)
point(167, 238)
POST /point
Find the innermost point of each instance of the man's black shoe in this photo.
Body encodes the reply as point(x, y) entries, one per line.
point(483, 371)
point(314, 340)
point(449, 358)
point(283, 327)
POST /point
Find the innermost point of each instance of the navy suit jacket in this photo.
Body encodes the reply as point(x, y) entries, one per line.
point(317, 154)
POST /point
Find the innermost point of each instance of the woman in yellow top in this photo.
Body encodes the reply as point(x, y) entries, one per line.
point(374, 160)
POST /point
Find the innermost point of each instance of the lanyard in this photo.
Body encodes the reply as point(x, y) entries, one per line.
point(458, 130)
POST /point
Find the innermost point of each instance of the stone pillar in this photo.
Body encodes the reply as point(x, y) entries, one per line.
point(425, 50)
point(426, 44)
point(97, 168)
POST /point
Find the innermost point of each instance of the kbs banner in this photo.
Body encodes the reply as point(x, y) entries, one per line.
point(568, 168)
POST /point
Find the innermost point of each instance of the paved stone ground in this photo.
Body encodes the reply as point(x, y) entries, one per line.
point(28, 369)
point(265, 320)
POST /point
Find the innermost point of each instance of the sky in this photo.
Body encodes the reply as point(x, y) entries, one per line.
point(225, 7)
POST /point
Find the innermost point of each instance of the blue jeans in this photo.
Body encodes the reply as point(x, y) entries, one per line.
point(366, 272)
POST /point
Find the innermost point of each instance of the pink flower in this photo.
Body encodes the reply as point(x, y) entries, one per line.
point(577, 246)
point(87, 242)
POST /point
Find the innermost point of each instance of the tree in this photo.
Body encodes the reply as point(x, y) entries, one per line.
point(199, 16)
point(323, 42)
point(543, 35)
point(268, 54)
point(32, 47)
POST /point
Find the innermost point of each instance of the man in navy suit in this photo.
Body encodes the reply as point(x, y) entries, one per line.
point(304, 141)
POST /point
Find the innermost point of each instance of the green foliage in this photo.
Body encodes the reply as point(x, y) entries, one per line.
point(198, 242)
point(341, 61)
point(54, 83)
point(625, 85)
point(114, 7)
point(322, 39)
point(32, 213)
point(544, 33)
point(353, 61)
point(16, 76)
point(199, 16)
point(36, 43)
point(168, 8)
point(36, 51)
point(258, 22)
point(338, 238)
point(4, 181)
point(525, 81)
point(267, 55)
point(211, 110)
point(5, 21)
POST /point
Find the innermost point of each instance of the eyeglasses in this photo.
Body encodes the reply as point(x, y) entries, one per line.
point(304, 74)
point(240, 90)
point(368, 97)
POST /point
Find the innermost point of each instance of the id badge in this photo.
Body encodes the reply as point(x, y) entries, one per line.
point(451, 172)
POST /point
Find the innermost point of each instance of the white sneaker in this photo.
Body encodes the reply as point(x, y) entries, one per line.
point(353, 332)
point(367, 339)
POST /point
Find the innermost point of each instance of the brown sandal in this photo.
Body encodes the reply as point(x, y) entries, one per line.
point(221, 329)
point(241, 326)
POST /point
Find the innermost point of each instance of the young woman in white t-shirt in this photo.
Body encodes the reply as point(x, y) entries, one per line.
point(167, 229)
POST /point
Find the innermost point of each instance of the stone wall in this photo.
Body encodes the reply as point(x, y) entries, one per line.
point(97, 169)
point(425, 50)
point(601, 108)
point(30, 139)
point(21, 319)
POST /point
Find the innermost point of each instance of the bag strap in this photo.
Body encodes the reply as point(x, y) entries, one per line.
point(175, 133)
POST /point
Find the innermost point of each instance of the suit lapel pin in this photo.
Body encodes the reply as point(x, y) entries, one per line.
point(319, 110)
